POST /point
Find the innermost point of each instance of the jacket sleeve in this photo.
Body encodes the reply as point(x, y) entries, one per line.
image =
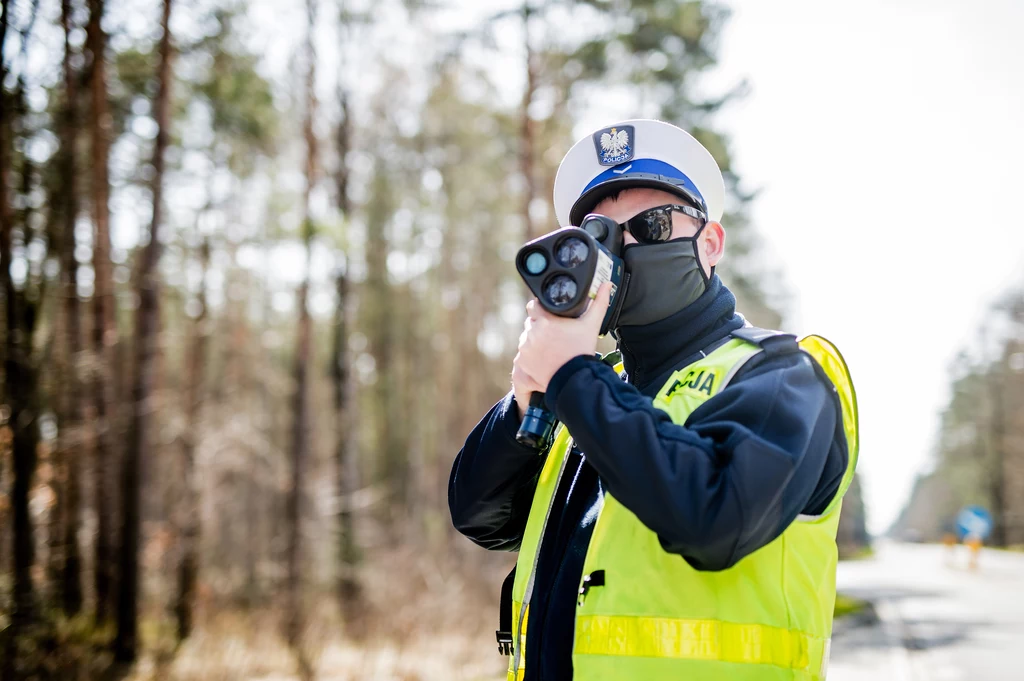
point(745, 464)
point(493, 480)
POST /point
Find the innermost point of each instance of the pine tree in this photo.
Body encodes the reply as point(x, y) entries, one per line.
point(104, 326)
point(346, 459)
point(188, 568)
point(73, 442)
point(147, 322)
point(21, 311)
point(301, 412)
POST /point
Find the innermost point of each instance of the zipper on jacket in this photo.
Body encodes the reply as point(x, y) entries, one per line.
point(595, 578)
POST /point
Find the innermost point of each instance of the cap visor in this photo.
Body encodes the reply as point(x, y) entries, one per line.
point(593, 196)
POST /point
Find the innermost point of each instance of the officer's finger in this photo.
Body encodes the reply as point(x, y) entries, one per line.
point(599, 306)
point(535, 323)
point(531, 306)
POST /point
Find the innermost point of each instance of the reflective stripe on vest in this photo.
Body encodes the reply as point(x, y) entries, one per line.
point(695, 640)
point(768, 617)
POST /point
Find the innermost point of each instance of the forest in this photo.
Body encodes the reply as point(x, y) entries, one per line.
point(979, 451)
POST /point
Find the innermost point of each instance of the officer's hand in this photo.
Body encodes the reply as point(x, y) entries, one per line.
point(550, 341)
point(522, 384)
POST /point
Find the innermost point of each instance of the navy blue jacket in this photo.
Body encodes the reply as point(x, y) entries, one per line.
point(765, 449)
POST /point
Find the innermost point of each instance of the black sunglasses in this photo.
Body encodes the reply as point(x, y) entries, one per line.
point(654, 225)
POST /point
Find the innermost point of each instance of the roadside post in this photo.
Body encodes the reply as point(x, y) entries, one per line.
point(974, 524)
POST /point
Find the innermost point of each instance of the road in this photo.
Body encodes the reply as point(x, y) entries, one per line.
point(937, 619)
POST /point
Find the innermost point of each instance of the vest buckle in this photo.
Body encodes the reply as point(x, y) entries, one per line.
point(504, 632)
point(504, 642)
point(595, 578)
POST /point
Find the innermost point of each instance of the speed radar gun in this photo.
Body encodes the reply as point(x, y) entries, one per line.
point(564, 270)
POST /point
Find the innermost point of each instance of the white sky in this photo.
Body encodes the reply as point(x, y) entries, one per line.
point(887, 138)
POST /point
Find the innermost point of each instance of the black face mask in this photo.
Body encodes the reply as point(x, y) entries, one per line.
point(664, 278)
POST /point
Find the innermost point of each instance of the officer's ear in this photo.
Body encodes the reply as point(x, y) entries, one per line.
point(711, 245)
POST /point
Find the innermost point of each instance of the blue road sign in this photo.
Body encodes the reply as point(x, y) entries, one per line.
point(974, 521)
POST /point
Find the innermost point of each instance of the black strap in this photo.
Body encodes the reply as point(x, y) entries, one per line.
point(758, 336)
point(773, 342)
point(504, 632)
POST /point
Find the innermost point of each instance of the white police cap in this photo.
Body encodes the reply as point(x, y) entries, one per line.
point(637, 153)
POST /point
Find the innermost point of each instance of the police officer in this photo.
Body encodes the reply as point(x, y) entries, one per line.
point(682, 524)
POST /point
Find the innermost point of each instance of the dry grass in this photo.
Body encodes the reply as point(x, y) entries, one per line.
point(427, 618)
point(232, 649)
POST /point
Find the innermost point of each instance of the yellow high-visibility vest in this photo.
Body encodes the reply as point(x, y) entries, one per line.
point(769, 617)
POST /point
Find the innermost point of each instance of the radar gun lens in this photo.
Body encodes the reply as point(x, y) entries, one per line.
point(536, 263)
point(596, 229)
point(561, 290)
point(571, 252)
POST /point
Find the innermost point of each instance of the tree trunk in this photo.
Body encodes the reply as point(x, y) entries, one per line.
point(146, 322)
point(20, 383)
point(58, 356)
point(447, 361)
point(72, 444)
point(346, 461)
point(997, 442)
point(22, 402)
point(300, 402)
point(344, 145)
point(104, 338)
point(6, 226)
point(20, 390)
point(252, 533)
point(299, 454)
point(527, 127)
point(380, 324)
point(255, 507)
point(188, 570)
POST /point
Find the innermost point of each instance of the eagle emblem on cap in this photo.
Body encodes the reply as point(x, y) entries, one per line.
point(614, 145)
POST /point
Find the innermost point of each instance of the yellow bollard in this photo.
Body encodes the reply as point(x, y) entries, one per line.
point(974, 545)
point(949, 541)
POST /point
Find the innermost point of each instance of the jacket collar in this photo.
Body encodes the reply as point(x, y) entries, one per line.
point(651, 350)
